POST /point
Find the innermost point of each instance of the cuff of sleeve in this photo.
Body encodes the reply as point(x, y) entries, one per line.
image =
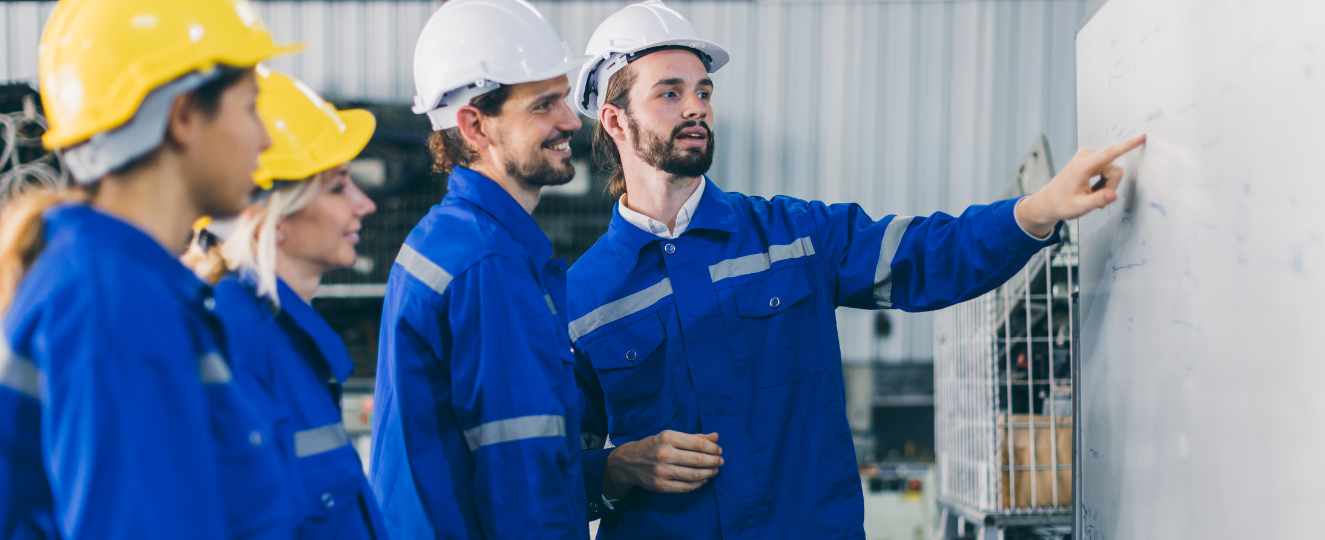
point(593, 464)
point(1052, 238)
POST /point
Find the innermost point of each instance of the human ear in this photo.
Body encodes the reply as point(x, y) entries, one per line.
point(473, 127)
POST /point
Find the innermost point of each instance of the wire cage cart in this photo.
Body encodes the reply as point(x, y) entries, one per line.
point(1003, 376)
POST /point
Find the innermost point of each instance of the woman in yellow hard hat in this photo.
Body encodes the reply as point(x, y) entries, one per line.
point(128, 421)
point(305, 222)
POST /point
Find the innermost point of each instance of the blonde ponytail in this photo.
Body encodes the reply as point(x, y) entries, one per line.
point(251, 245)
point(23, 234)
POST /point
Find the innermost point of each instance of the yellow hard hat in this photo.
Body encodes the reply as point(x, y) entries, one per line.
point(308, 135)
point(99, 58)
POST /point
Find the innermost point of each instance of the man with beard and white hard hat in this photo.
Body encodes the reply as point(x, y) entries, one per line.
point(476, 432)
point(703, 314)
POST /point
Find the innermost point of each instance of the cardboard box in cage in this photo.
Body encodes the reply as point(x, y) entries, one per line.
point(1046, 449)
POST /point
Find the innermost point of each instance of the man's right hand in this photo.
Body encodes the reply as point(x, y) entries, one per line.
point(669, 462)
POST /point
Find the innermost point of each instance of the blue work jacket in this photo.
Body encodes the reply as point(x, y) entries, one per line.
point(730, 328)
point(142, 430)
point(301, 363)
point(476, 425)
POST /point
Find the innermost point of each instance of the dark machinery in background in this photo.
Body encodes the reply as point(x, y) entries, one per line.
point(396, 171)
point(24, 163)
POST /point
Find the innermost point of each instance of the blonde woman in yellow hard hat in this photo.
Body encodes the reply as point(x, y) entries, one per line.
point(127, 420)
point(305, 223)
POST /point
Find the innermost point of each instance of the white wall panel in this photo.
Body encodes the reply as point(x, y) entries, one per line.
point(905, 107)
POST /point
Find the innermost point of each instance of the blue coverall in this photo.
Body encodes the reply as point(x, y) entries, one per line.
point(300, 363)
point(144, 432)
point(476, 427)
point(730, 328)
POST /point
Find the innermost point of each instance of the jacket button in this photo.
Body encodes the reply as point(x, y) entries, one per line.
point(209, 303)
point(328, 501)
point(630, 355)
point(670, 248)
point(774, 302)
point(593, 507)
point(556, 271)
point(255, 438)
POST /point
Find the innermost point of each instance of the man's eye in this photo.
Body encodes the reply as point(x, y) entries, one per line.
point(704, 95)
point(668, 94)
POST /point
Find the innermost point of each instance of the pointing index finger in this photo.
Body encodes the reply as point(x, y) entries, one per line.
point(1108, 155)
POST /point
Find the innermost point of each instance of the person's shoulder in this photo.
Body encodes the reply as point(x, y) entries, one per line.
point(455, 235)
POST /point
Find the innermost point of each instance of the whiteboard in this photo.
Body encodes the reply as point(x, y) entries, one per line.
point(1202, 381)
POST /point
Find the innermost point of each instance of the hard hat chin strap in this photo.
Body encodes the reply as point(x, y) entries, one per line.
point(443, 116)
point(110, 150)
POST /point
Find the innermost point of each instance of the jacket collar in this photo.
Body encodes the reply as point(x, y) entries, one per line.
point(476, 188)
point(328, 342)
point(104, 230)
point(715, 212)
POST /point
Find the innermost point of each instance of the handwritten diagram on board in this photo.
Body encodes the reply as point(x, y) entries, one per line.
point(1203, 288)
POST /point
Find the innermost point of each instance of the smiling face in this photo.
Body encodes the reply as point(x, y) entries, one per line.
point(670, 113)
point(531, 136)
point(323, 234)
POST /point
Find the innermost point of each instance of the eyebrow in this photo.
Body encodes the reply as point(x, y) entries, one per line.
point(677, 80)
point(546, 97)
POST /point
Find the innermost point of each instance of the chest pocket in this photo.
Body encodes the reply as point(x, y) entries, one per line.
point(778, 317)
point(331, 502)
point(636, 375)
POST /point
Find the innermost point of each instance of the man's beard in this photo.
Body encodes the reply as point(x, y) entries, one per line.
point(539, 171)
point(663, 154)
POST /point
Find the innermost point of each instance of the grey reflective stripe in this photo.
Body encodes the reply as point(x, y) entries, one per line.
point(423, 269)
point(883, 273)
point(212, 369)
point(759, 262)
point(617, 309)
point(17, 373)
point(515, 429)
point(311, 442)
point(549, 304)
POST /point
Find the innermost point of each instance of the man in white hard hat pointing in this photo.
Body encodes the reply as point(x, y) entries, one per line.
point(703, 314)
point(476, 433)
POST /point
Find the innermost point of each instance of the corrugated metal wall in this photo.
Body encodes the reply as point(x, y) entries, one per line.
point(905, 107)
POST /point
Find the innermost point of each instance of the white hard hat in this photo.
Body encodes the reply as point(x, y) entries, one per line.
point(468, 45)
point(637, 28)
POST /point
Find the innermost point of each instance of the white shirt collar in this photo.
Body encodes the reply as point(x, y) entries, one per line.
point(658, 228)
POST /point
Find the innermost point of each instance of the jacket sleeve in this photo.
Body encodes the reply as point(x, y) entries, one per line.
point(918, 263)
point(128, 424)
point(593, 435)
point(508, 380)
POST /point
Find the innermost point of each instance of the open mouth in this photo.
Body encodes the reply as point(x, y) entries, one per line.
point(352, 236)
point(696, 137)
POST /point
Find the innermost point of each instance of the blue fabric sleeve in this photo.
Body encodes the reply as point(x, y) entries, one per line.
point(132, 454)
point(935, 262)
point(508, 376)
point(593, 432)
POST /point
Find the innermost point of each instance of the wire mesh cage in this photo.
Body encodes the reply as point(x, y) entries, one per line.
point(1003, 393)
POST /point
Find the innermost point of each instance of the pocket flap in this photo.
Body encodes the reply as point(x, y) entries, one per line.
point(772, 295)
point(627, 346)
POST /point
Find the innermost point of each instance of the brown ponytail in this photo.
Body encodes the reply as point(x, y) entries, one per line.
point(605, 152)
point(23, 234)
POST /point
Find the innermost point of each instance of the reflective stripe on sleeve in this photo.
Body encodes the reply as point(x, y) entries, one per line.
point(212, 369)
point(311, 442)
point(617, 309)
point(516, 429)
point(759, 262)
point(423, 269)
point(17, 373)
point(549, 304)
point(883, 273)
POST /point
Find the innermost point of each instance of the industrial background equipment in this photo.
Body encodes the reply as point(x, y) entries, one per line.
point(1003, 394)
